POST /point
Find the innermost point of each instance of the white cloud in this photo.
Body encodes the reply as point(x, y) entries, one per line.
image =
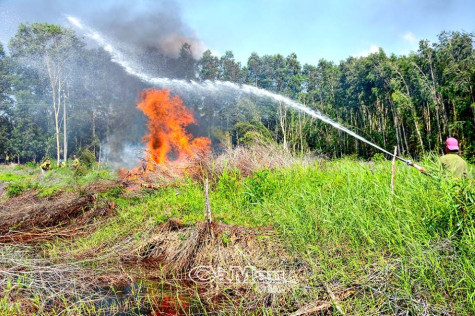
point(373, 49)
point(410, 38)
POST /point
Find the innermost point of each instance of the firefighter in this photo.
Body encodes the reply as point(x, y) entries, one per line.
point(7, 159)
point(45, 166)
point(62, 163)
point(75, 162)
point(452, 162)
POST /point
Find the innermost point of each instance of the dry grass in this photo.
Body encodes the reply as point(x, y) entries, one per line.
point(249, 159)
point(43, 286)
point(245, 159)
point(174, 252)
point(29, 212)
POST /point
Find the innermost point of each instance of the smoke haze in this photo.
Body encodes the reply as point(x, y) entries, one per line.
point(145, 26)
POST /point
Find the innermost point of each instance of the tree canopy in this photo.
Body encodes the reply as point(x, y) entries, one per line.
point(58, 96)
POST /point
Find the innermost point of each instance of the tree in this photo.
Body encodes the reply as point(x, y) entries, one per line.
point(208, 66)
point(48, 48)
point(5, 102)
point(186, 64)
point(230, 70)
point(254, 67)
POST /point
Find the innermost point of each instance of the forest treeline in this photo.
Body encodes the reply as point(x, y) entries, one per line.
point(59, 96)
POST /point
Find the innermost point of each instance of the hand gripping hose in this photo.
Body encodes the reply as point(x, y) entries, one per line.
point(412, 164)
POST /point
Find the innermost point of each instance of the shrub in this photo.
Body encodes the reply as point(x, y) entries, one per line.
point(16, 188)
point(87, 158)
point(249, 132)
point(31, 164)
point(259, 186)
point(8, 177)
point(378, 157)
point(80, 171)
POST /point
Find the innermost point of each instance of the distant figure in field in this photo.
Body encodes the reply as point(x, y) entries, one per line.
point(7, 159)
point(452, 162)
point(45, 166)
point(75, 162)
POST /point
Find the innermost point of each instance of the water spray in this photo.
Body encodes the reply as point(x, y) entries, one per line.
point(217, 86)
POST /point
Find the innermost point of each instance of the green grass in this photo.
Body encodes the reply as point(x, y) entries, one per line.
point(342, 217)
point(20, 178)
point(9, 177)
point(400, 251)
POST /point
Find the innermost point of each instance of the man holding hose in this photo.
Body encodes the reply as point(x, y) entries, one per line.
point(452, 162)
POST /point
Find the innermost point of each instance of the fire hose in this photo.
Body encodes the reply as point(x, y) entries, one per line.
point(412, 164)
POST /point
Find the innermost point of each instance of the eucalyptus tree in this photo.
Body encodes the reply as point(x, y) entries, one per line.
point(5, 102)
point(48, 48)
point(208, 66)
point(230, 70)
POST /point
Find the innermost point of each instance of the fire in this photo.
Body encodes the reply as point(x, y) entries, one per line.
point(168, 119)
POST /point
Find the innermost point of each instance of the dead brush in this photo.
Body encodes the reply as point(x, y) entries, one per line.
point(48, 287)
point(246, 159)
point(175, 250)
point(205, 164)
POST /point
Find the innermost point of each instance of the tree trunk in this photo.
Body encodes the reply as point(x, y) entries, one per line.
point(418, 131)
point(404, 136)
point(396, 126)
point(300, 133)
point(65, 133)
point(59, 108)
point(428, 125)
point(282, 120)
point(53, 77)
point(439, 130)
point(56, 123)
point(94, 130)
point(445, 119)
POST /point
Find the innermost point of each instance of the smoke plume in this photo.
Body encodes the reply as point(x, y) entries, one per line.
point(145, 26)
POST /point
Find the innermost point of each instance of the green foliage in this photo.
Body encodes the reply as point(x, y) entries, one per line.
point(87, 158)
point(248, 133)
point(15, 189)
point(30, 164)
point(225, 238)
point(378, 157)
point(460, 217)
point(9, 176)
point(115, 192)
point(48, 191)
point(21, 178)
point(259, 186)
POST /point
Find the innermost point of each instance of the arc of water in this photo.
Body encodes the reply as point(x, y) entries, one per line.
point(209, 86)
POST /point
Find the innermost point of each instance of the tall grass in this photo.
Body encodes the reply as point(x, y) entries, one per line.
point(407, 251)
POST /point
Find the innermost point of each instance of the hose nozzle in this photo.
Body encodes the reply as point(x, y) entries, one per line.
point(412, 164)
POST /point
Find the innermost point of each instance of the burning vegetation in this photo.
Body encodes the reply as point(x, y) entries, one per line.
point(168, 118)
point(170, 148)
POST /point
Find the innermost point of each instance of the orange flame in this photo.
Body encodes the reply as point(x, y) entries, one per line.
point(168, 118)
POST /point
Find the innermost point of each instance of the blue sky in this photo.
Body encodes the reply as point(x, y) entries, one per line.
point(313, 30)
point(324, 29)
